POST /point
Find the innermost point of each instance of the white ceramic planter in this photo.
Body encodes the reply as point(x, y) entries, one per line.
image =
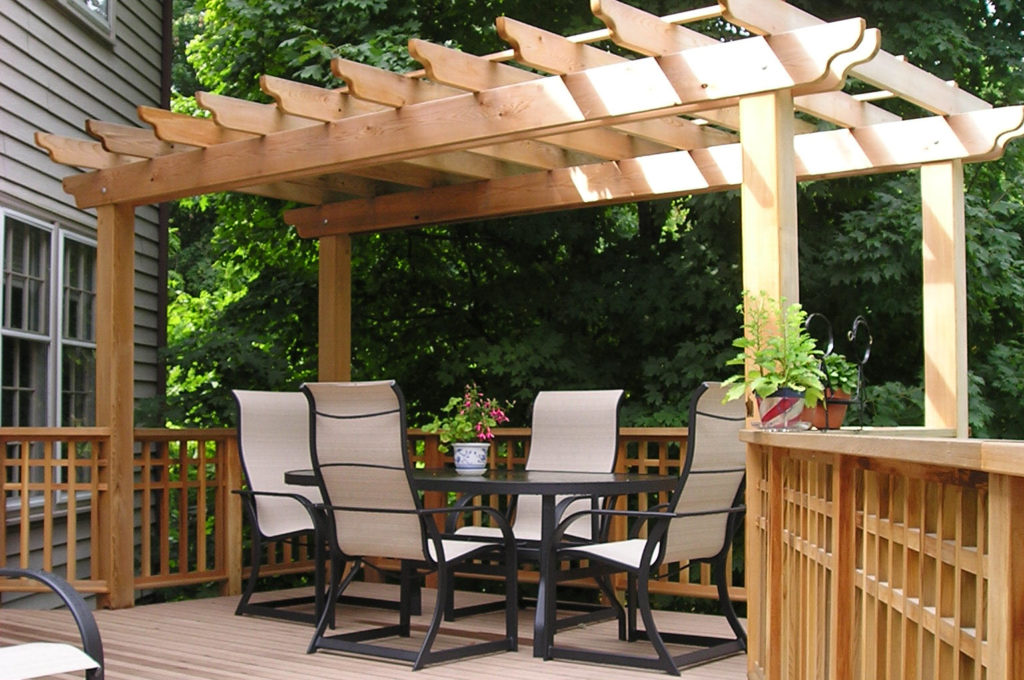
point(470, 457)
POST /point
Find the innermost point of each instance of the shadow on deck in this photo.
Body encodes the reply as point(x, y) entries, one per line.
point(204, 640)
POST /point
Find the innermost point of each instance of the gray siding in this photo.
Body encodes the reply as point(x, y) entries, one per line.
point(54, 74)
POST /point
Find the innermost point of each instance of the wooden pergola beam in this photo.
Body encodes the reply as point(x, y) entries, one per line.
point(636, 90)
point(888, 147)
point(647, 33)
point(885, 71)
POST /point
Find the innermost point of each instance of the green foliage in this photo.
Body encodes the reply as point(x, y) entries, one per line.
point(638, 297)
point(781, 352)
point(840, 372)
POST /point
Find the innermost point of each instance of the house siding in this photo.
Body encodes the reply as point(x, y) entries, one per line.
point(55, 73)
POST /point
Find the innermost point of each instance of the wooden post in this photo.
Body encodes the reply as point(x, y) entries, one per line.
point(115, 397)
point(945, 296)
point(1006, 580)
point(753, 562)
point(335, 331)
point(843, 594)
point(768, 196)
point(232, 509)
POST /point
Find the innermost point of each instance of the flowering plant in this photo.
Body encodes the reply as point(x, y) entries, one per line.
point(469, 417)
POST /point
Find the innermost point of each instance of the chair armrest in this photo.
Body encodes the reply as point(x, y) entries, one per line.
point(462, 502)
point(500, 519)
point(315, 510)
point(92, 644)
point(645, 515)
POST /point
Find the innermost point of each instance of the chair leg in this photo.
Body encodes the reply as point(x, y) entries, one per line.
point(407, 579)
point(604, 584)
point(444, 583)
point(256, 559)
point(631, 601)
point(725, 602)
point(651, 630)
point(511, 599)
point(337, 587)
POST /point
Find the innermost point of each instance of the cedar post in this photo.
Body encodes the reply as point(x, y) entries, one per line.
point(335, 310)
point(768, 196)
point(945, 296)
point(115, 369)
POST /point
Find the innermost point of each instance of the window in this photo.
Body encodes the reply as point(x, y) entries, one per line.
point(48, 335)
point(97, 15)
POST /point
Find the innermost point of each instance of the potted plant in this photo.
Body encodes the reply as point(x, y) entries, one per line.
point(466, 426)
point(784, 371)
point(841, 378)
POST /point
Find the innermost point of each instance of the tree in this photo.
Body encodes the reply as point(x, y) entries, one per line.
point(635, 296)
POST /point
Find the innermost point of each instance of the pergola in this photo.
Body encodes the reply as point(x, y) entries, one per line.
point(554, 123)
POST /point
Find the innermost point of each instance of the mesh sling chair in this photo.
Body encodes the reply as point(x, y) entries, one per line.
point(360, 458)
point(696, 525)
point(273, 437)
point(570, 430)
point(39, 659)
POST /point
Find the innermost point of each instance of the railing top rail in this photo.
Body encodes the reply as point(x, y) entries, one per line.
point(1000, 456)
point(184, 433)
point(53, 433)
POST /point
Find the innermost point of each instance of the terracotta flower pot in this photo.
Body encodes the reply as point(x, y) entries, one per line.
point(836, 411)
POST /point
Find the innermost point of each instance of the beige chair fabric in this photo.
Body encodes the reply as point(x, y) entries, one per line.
point(360, 457)
point(571, 430)
point(273, 438)
point(697, 525)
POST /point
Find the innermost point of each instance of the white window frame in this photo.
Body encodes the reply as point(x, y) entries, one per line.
point(56, 343)
point(92, 19)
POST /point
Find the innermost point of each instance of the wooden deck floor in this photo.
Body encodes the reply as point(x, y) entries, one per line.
point(203, 640)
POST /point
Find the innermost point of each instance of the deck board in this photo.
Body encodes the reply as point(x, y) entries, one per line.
point(204, 640)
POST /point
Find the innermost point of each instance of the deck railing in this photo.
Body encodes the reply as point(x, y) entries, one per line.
point(186, 523)
point(883, 557)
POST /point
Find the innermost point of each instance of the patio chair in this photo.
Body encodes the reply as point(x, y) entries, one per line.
point(273, 437)
point(39, 659)
point(360, 458)
point(696, 525)
point(571, 430)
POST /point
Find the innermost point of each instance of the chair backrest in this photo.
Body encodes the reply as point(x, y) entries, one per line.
point(571, 430)
point(711, 478)
point(361, 461)
point(273, 437)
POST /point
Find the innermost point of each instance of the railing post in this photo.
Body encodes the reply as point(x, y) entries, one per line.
point(232, 532)
point(1006, 580)
point(844, 566)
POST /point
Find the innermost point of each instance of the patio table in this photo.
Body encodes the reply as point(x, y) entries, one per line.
point(546, 484)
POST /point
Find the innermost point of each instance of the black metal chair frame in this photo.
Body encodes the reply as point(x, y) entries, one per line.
point(638, 593)
point(528, 553)
point(279, 608)
point(92, 644)
point(359, 642)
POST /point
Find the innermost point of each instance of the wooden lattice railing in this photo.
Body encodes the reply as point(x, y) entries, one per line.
point(882, 557)
point(186, 523)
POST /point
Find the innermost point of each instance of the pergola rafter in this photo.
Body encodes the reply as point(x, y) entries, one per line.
point(554, 123)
